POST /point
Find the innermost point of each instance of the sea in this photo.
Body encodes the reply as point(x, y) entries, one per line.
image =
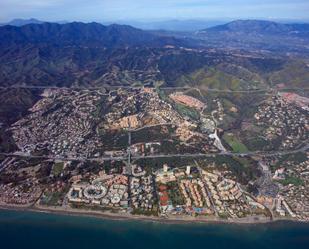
point(23, 230)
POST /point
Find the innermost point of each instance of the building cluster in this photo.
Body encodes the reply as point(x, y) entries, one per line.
point(195, 193)
point(145, 148)
point(296, 99)
point(116, 191)
point(62, 123)
point(284, 121)
point(132, 121)
point(293, 197)
point(188, 190)
point(181, 98)
point(207, 125)
point(204, 192)
point(142, 191)
point(228, 198)
point(141, 107)
point(187, 135)
point(19, 184)
point(166, 175)
point(105, 191)
point(75, 124)
point(22, 194)
point(282, 208)
point(137, 108)
point(218, 113)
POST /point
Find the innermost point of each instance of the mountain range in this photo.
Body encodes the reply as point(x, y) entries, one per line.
point(250, 53)
point(77, 33)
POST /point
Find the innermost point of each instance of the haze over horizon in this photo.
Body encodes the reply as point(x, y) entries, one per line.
point(147, 10)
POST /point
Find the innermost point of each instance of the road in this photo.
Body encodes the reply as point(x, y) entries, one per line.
point(129, 168)
point(151, 126)
point(125, 157)
point(162, 88)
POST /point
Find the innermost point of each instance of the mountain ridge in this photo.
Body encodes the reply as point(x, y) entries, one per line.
point(78, 33)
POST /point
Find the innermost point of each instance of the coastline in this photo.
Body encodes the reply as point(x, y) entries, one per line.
point(129, 217)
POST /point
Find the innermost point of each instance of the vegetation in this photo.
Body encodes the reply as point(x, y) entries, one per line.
point(187, 111)
point(212, 78)
point(6, 142)
point(174, 193)
point(53, 198)
point(57, 168)
point(102, 107)
point(296, 73)
point(157, 133)
point(223, 216)
point(292, 180)
point(15, 103)
point(255, 143)
point(295, 158)
point(157, 163)
point(244, 168)
point(234, 143)
point(116, 139)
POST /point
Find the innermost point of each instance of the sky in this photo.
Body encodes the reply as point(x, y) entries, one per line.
point(149, 10)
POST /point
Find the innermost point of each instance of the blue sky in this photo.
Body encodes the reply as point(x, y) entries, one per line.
point(113, 10)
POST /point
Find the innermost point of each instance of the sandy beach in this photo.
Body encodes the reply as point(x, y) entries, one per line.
point(172, 219)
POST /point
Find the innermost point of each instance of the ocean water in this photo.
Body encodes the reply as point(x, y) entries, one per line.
point(23, 230)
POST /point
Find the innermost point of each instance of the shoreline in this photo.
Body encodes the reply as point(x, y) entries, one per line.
point(130, 217)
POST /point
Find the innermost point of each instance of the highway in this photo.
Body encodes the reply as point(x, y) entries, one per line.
point(265, 91)
point(125, 157)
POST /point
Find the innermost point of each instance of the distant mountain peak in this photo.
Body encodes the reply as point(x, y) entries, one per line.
point(18, 22)
point(258, 26)
point(249, 26)
point(21, 22)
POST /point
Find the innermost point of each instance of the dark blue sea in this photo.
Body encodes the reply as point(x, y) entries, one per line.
point(23, 230)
